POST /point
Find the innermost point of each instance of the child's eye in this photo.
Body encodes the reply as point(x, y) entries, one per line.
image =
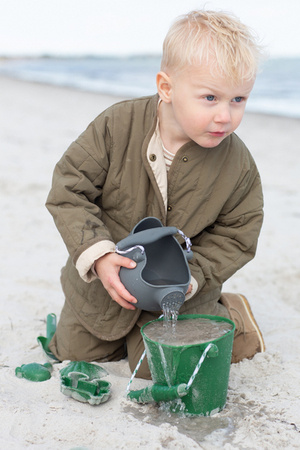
point(210, 98)
point(238, 99)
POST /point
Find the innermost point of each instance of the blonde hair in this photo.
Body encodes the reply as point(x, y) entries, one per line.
point(215, 38)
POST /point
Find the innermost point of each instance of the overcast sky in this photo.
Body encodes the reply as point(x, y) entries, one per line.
point(124, 27)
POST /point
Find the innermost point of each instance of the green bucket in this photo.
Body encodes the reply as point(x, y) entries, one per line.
point(175, 365)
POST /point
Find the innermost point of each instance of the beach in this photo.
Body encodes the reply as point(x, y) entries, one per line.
point(38, 122)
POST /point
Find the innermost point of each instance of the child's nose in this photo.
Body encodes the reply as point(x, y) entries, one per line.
point(223, 114)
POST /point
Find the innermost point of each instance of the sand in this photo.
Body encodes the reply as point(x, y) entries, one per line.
point(38, 122)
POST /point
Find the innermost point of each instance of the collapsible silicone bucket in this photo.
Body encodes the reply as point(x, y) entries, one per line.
point(174, 365)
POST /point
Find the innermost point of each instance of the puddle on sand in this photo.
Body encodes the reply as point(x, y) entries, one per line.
point(198, 428)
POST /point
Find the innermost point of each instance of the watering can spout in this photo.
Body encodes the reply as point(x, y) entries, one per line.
point(157, 393)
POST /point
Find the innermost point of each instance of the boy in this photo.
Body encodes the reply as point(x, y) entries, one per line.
point(173, 156)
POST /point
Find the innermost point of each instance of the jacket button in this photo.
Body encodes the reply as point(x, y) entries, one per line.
point(185, 159)
point(169, 208)
point(152, 157)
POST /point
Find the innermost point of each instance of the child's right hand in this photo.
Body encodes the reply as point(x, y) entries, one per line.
point(107, 268)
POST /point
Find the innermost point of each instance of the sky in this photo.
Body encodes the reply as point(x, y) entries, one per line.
point(129, 27)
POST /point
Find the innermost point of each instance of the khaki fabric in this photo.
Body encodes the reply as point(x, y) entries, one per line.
point(105, 183)
point(72, 341)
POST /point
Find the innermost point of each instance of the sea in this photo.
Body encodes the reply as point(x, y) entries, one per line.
point(276, 91)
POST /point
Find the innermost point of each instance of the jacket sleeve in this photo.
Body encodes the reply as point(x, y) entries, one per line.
point(230, 242)
point(75, 197)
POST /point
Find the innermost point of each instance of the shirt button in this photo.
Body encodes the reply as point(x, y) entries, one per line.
point(185, 159)
point(152, 157)
point(169, 208)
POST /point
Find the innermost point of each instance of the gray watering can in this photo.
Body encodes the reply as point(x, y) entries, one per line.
point(162, 276)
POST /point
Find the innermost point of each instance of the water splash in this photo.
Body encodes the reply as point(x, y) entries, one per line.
point(165, 365)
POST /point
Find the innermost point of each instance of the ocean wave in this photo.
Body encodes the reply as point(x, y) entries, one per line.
point(276, 91)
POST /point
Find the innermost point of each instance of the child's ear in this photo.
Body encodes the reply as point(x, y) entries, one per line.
point(163, 83)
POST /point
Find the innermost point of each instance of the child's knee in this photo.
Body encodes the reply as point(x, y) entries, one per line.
point(73, 345)
point(73, 342)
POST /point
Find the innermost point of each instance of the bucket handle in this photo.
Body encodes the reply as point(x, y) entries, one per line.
point(135, 371)
point(202, 358)
point(183, 388)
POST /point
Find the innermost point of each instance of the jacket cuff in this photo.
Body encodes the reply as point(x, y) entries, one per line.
point(194, 284)
point(85, 262)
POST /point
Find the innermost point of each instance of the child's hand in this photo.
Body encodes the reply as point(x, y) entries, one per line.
point(108, 268)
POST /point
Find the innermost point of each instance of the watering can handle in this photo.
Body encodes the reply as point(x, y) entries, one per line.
point(151, 235)
point(187, 241)
point(146, 237)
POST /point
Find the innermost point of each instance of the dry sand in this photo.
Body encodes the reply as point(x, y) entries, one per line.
point(263, 410)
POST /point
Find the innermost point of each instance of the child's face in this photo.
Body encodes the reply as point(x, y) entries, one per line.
point(206, 108)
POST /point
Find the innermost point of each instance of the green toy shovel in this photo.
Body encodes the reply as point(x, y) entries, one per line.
point(50, 330)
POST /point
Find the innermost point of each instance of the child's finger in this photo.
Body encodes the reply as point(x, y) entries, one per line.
point(126, 262)
point(121, 300)
point(123, 293)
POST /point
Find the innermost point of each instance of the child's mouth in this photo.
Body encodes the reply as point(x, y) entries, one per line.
point(218, 133)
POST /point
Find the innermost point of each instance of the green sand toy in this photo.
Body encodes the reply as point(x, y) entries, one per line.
point(196, 374)
point(34, 371)
point(50, 330)
point(157, 393)
point(81, 381)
